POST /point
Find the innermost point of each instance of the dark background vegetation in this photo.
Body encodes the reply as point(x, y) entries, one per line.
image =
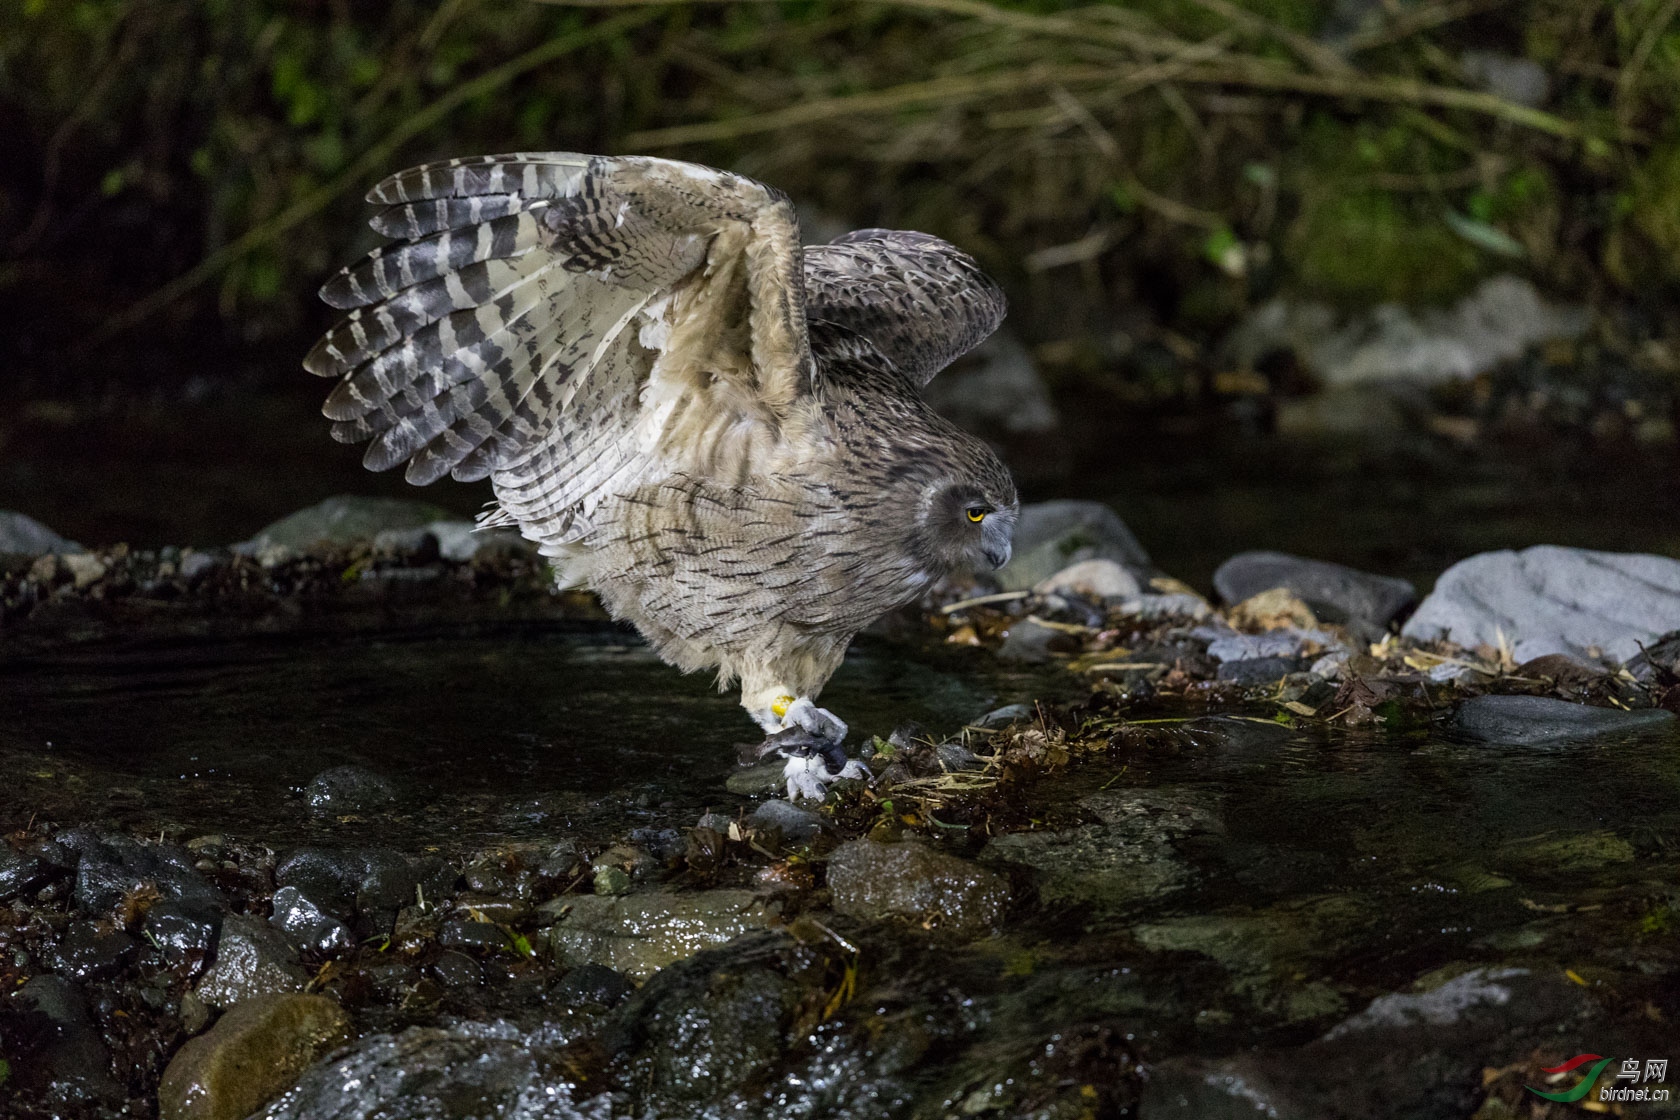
point(182, 174)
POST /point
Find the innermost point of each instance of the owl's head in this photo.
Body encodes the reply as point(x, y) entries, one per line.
point(968, 519)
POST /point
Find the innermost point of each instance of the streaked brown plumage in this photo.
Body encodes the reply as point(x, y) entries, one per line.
point(719, 432)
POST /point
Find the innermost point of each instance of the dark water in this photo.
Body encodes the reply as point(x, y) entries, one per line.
point(492, 732)
point(1324, 869)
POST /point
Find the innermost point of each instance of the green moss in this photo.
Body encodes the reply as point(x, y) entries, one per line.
point(1365, 245)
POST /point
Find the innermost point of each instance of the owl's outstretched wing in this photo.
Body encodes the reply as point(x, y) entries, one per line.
point(515, 326)
point(921, 301)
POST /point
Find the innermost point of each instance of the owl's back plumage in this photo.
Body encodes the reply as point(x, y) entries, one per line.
point(718, 431)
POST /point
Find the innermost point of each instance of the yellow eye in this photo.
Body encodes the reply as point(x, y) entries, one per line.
point(977, 514)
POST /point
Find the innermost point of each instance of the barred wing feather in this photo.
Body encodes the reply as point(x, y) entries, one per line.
point(539, 303)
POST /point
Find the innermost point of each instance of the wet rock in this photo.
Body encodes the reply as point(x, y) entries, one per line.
point(592, 984)
point(20, 873)
point(342, 520)
point(306, 926)
point(704, 1026)
point(1260, 670)
point(1406, 1055)
point(1233, 733)
point(1335, 593)
point(611, 880)
point(1029, 642)
point(254, 1053)
point(1534, 720)
point(469, 1071)
point(1127, 854)
point(661, 845)
point(1096, 580)
point(640, 933)
point(457, 970)
point(349, 789)
point(798, 825)
point(1565, 855)
point(68, 1058)
point(1655, 661)
point(1496, 323)
point(372, 881)
point(1546, 599)
point(910, 881)
point(1271, 953)
point(465, 933)
point(766, 777)
point(91, 949)
point(1052, 535)
point(1006, 715)
point(111, 866)
point(183, 931)
point(22, 535)
point(195, 565)
point(994, 387)
point(252, 959)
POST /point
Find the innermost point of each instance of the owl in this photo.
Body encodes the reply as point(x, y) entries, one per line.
point(717, 430)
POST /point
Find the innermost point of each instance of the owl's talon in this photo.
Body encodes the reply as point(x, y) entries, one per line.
point(819, 722)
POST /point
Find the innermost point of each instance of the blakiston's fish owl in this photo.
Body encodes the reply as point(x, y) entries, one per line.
point(718, 431)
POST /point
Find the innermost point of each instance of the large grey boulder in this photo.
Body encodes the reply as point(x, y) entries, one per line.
point(341, 520)
point(1052, 535)
point(1547, 599)
point(22, 535)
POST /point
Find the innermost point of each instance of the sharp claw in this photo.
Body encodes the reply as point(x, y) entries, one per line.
point(817, 721)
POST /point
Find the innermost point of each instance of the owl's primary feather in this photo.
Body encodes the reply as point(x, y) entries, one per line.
point(718, 431)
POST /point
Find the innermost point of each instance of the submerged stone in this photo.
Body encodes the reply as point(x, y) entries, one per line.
point(1408, 1054)
point(638, 934)
point(912, 882)
point(1546, 599)
point(1535, 720)
point(1125, 856)
point(253, 1053)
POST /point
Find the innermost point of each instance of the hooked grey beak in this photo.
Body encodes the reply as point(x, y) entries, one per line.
point(995, 542)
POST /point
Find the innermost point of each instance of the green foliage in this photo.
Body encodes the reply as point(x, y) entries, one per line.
point(199, 121)
point(1370, 246)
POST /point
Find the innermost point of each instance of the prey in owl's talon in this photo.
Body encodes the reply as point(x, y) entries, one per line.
point(809, 775)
